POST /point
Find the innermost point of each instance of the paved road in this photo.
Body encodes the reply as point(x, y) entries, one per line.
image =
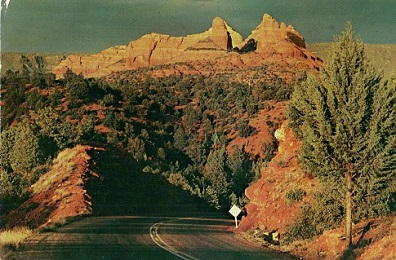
point(140, 216)
point(143, 237)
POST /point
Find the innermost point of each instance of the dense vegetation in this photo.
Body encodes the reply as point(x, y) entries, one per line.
point(346, 119)
point(177, 126)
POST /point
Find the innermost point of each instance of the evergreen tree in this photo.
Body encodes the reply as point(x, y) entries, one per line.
point(239, 169)
point(25, 153)
point(52, 127)
point(6, 145)
point(216, 175)
point(136, 148)
point(346, 119)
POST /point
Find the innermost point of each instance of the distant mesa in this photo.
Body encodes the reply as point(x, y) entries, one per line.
point(269, 39)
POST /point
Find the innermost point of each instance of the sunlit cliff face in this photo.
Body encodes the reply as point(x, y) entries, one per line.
point(220, 42)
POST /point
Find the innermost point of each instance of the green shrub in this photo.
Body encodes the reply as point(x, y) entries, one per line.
point(256, 169)
point(136, 148)
point(295, 195)
point(325, 213)
point(267, 150)
point(109, 100)
point(243, 128)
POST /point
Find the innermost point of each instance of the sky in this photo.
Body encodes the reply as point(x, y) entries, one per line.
point(89, 26)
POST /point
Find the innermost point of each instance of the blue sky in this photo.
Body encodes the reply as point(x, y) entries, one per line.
point(93, 25)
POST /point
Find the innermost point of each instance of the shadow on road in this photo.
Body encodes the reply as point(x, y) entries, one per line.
point(127, 204)
point(124, 189)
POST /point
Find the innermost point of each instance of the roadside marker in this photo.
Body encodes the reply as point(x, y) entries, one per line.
point(235, 211)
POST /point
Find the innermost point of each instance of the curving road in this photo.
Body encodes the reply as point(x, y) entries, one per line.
point(140, 216)
point(143, 237)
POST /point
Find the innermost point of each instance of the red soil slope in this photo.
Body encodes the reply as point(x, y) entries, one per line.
point(268, 208)
point(59, 195)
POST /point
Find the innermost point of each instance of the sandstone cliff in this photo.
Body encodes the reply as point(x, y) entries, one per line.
point(268, 42)
point(105, 62)
point(272, 37)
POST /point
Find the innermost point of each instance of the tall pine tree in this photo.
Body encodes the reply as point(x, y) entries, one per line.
point(346, 119)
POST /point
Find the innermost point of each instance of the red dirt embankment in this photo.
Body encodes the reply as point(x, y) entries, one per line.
point(269, 209)
point(59, 195)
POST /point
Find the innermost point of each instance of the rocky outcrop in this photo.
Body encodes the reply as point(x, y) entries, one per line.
point(268, 196)
point(274, 38)
point(155, 49)
point(237, 39)
point(269, 39)
point(152, 49)
point(220, 35)
point(223, 35)
point(270, 31)
point(90, 64)
point(59, 195)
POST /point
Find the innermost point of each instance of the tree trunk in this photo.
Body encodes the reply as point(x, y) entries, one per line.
point(348, 208)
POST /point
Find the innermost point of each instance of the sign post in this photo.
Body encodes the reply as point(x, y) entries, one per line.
point(235, 211)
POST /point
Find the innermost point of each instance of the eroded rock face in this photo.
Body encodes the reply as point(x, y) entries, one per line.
point(152, 49)
point(219, 33)
point(155, 49)
point(223, 35)
point(269, 30)
point(272, 37)
point(269, 209)
point(90, 64)
point(268, 39)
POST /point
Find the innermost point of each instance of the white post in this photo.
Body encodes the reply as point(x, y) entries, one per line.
point(236, 222)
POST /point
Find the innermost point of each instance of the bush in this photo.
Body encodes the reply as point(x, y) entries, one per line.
point(295, 195)
point(136, 148)
point(244, 129)
point(161, 154)
point(178, 179)
point(20, 148)
point(256, 169)
point(326, 212)
point(267, 150)
point(109, 100)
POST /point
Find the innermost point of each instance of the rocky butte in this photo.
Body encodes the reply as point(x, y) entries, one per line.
point(269, 42)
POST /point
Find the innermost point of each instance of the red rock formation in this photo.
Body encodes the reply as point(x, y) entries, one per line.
point(236, 38)
point(269, 39)
point(272, 37)
point(268, 208)
point(223, 35)
point(90, 64)
point(270, 31)
point(151, 49)
point(219, 33)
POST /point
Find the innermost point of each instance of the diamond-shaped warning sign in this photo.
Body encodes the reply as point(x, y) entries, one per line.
point(235, 210)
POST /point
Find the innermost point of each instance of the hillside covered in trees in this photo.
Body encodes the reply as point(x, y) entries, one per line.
point(180, 126)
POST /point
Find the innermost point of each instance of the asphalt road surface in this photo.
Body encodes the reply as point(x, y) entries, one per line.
point(140, 216)
point(143, 237)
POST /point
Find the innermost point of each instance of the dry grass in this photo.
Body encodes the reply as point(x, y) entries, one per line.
point(12, 238)
point(65, 156)
point(63, 167)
